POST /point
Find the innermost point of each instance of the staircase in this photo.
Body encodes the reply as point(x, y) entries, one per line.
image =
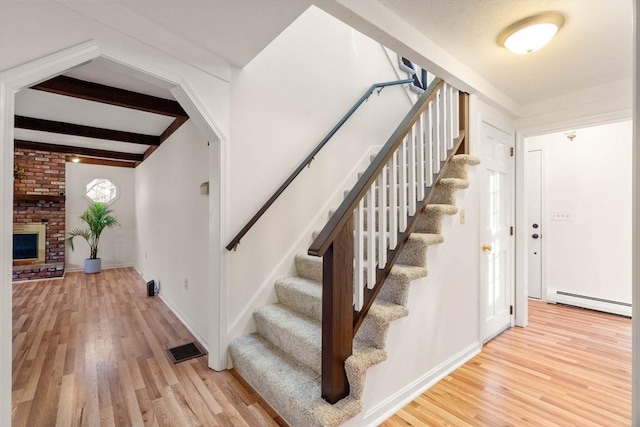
point(392, 216)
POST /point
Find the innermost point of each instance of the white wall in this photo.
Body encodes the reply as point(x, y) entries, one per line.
point(172, 226)
point(282, 104)
point(590, 178)
point(117, 245)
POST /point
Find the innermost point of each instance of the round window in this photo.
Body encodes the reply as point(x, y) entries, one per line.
point(102, 190)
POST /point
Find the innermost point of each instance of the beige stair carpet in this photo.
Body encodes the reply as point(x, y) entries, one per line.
point(282, 361)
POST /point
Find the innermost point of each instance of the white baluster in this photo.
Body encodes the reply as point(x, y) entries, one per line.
point(456, 113)
point(382, 217)
point(358, 253)
point(436, 138)
point(443, 127)
point(428, 142)
point(442, 141)
point(445, 119)
point(420, 142)
point(371, 237)
point(402, 186)
point(393, 201)
point(411, 160)
point(451, 131)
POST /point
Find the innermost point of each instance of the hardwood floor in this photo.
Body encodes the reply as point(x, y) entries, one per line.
point(569, 367)
point(90, 350)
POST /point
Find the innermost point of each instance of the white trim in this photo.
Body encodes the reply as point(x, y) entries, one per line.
point(107, 267)
point(553, 296)
point(635, 403)
point(520, 304)
point(11, 81)
point(218, 217)
point(392, 404)
point(6, 229)
point(46, 67)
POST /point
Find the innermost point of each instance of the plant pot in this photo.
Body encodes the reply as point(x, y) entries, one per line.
point(92, 266)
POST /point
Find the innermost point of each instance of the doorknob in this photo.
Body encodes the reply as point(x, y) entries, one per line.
point(535, 236)
point(486, 248)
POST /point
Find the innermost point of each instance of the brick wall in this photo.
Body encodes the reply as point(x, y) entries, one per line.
point(44, 175)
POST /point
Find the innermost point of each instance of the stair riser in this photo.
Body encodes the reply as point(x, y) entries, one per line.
point(431, 223)
point(278, 334)
point(308, 304)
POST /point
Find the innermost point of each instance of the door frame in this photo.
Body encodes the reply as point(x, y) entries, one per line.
point(19, 77)
point(521, 294)
point(544, 222)
point(482, 112)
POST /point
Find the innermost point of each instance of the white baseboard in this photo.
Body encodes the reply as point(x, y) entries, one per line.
point(385, 409)
point(586, 302)
point(69, 269)
point(181, 318)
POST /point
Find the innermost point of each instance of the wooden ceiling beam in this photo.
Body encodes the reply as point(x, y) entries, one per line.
point(103, 162)
point(78, 151)
point(30, 123)
point(68, 86)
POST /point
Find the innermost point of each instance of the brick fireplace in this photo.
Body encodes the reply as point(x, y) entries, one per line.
point(39, 200)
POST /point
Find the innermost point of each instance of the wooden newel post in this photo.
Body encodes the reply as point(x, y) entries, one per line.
point(337, 314)
point(464, 121)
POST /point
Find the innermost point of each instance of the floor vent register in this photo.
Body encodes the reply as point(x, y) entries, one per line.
point(185, 352)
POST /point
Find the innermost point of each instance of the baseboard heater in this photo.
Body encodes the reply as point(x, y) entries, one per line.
point(589, 302)
point(608, 301)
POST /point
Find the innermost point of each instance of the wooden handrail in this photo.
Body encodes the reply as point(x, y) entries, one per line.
point(307, 161)
point(342, 214)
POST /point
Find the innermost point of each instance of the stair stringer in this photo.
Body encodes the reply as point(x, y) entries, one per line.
point(286, 372)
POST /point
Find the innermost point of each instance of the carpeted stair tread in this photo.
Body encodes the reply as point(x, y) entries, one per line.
point(414, 251)
point(292, 332)
point(442, 208)
point(310, 267)
point(305, 296)
point(292, 389)
point(457, 167)
point(454, 183)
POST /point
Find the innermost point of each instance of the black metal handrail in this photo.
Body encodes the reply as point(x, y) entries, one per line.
point(342, 214)
point(307, 161)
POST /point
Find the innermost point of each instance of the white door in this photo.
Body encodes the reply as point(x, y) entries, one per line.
point(533, 178)
point(497, 219)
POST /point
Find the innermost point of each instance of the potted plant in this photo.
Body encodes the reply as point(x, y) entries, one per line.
point(97, 217)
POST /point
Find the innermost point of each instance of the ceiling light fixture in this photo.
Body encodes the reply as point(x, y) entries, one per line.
point(532, 33)
point(75, 159)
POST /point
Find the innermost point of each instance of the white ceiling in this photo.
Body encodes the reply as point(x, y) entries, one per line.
point(593, 48)
point(49, 106)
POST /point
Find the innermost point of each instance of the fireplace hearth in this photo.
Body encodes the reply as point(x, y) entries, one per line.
point(29, 244)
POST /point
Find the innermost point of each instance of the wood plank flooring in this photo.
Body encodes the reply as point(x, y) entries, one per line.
point(569, 367)
point(90, 350)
